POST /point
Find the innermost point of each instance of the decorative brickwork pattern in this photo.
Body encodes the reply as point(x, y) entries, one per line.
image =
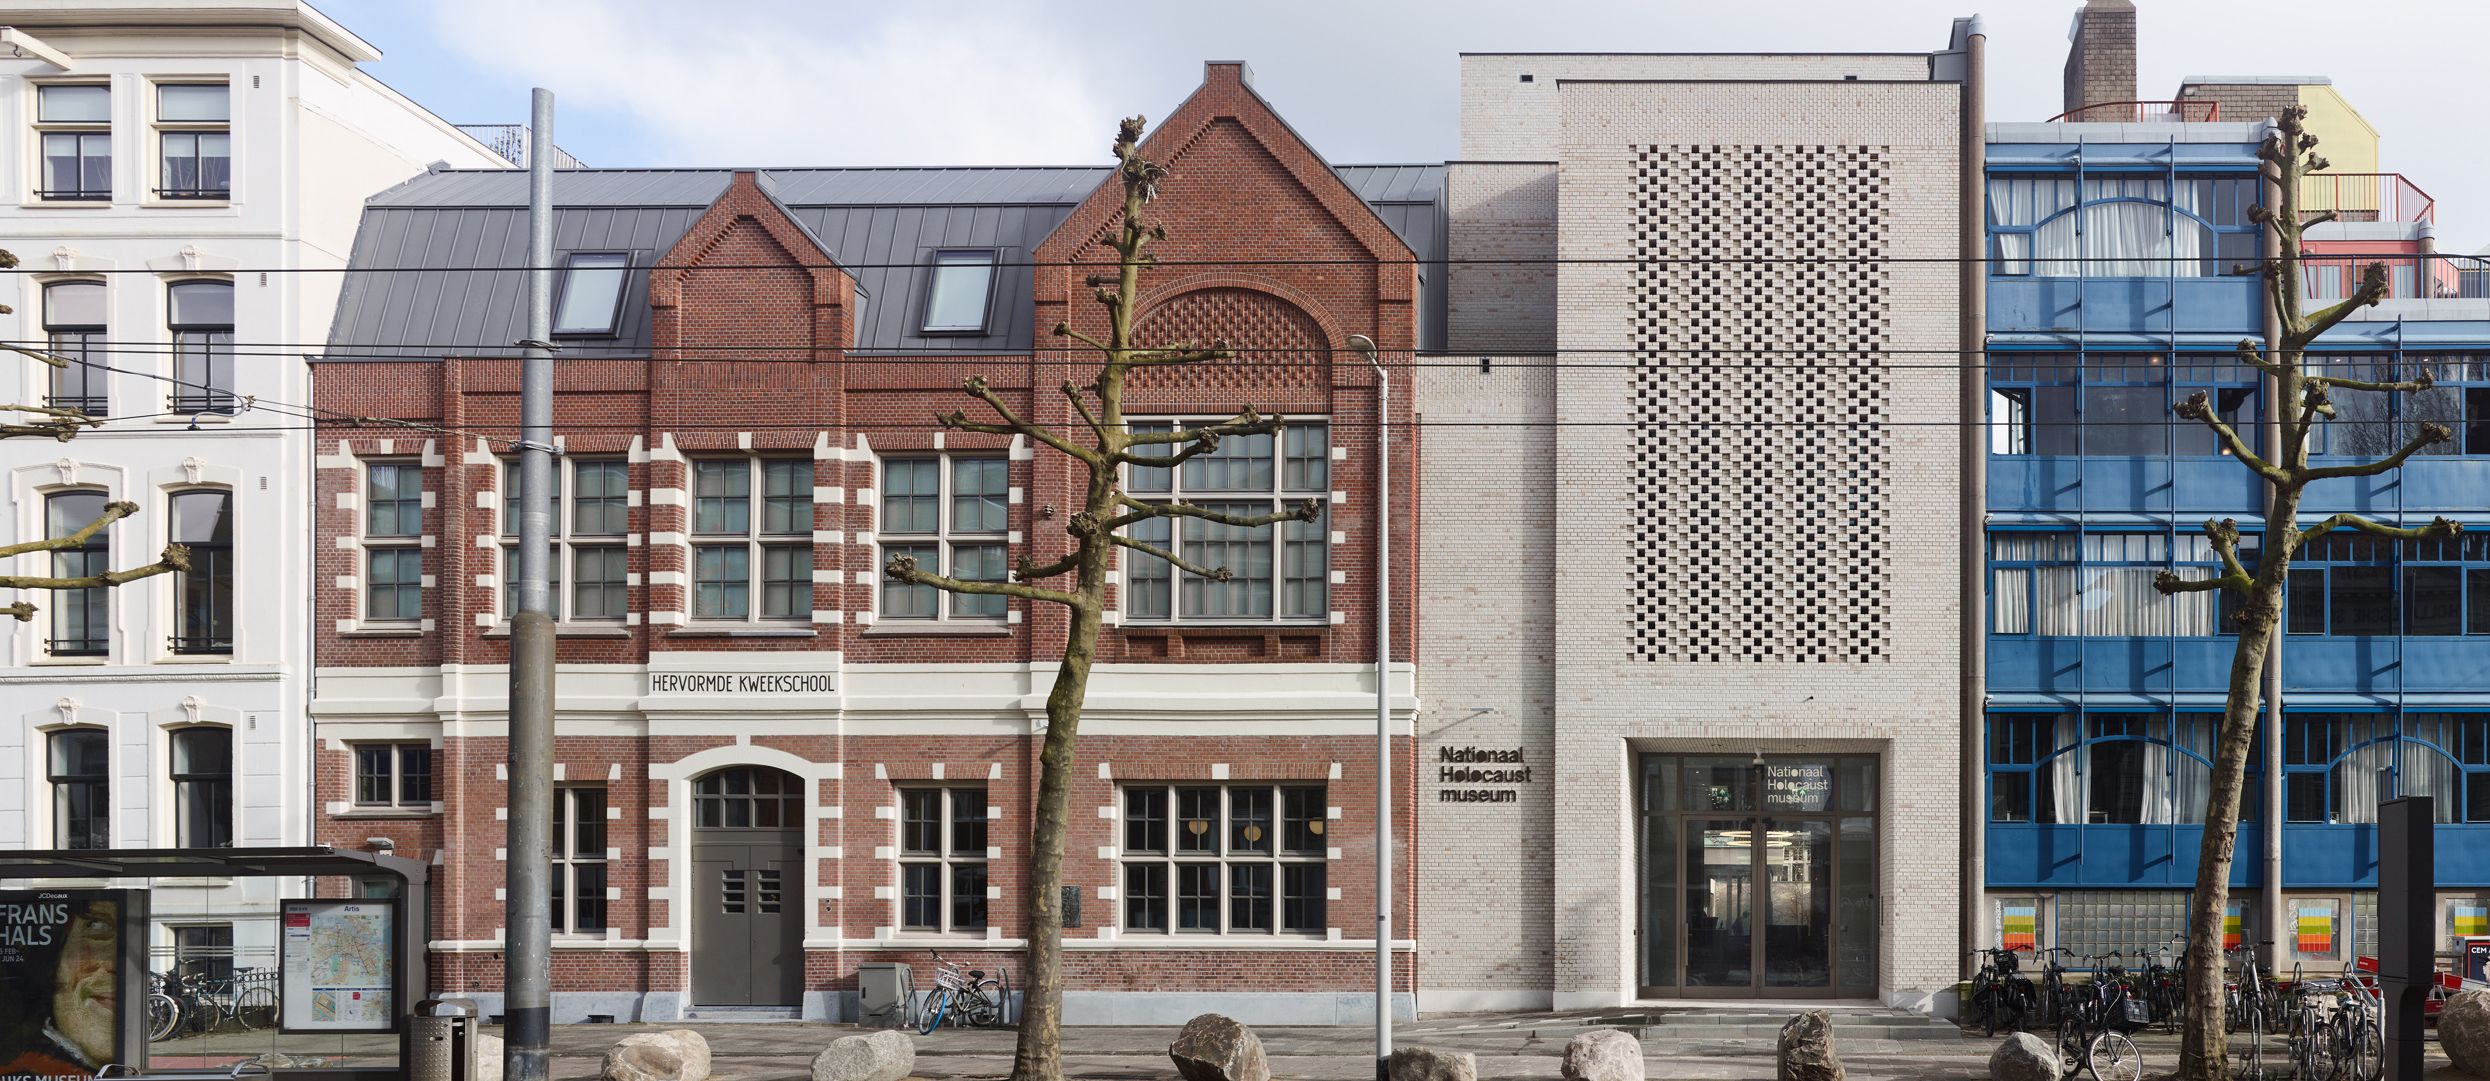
point(1743, 558)
point(1287, 347)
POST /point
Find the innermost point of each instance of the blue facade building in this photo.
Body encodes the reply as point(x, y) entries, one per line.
point(2112, 297)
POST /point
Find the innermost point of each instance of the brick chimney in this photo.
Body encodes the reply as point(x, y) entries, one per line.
point(2101, 57)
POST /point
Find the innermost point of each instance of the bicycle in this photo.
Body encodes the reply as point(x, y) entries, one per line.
point(2049, 1001)
point(2094, 1035)
point(1998, 991)
point(2245, 999)
point(175, 1007)
point(2311, 1033)
point(977, 997)
point(2358, 1046)
point(2164, 990)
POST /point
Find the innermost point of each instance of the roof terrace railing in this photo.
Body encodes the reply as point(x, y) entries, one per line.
point(2367, 197)
point(2142, 112)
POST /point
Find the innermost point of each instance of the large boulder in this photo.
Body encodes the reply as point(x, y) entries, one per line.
point(2464, 1032)
point(1214, 1047)
point(883, 1055)
point(1603, 1055)
point(673, 1055)
point(2022, 1056)
point(1427, 1064)
point(1806, 1049)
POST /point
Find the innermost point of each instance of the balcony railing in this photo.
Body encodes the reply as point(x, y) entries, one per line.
point(2326, 278)
point(2142, 112)
point(2367, 197)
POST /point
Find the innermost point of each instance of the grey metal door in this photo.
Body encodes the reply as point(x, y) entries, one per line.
point(748, 886)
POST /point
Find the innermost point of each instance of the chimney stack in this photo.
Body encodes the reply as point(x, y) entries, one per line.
point(2101, 59)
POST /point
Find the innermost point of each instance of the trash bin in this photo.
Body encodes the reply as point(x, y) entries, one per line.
point(883, 989)
point(441, 1040)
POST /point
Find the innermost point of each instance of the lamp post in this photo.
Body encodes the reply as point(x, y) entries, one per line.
point(1365, 347)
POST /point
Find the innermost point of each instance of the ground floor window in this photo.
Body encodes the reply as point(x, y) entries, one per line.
point(942, 853)
point(578, 860)
point(204, 951)
point(1226, 859)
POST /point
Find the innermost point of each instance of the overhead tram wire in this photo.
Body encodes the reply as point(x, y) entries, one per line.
point(1620, 260)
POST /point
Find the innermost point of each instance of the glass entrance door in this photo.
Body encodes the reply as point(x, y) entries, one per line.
point(1797, 859)
point(1720, 904)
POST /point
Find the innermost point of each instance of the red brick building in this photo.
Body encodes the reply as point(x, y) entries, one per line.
point(775, 765)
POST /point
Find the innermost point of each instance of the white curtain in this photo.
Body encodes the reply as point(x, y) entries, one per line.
point(2191, 781)
point(2013, 601)
point(2157, 810)
point(2066, 787)
point(2119, 238)
point(2356, 777)
point(2427, 769)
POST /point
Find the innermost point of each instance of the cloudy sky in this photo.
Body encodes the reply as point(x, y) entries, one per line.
point(919, 82)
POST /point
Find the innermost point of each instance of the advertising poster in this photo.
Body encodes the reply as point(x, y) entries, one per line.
point(60, 982)
point(339, 965)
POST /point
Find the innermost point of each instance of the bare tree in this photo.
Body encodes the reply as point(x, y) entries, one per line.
point(64, 425)
point(2304, 401)
point(1097, 529)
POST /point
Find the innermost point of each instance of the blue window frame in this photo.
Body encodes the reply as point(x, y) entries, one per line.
point(2060, 585)
point(2106, 768)
point(2358, 585)
point(2337, 766)
point(2112, 404)
point(2374, 425)
point(2119, 226)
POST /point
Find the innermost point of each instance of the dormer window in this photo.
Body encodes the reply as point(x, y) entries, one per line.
point(961, 292)
point(592, 291)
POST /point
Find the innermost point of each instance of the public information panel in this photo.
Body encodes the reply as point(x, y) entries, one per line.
point(65, 982)
point(340, 966)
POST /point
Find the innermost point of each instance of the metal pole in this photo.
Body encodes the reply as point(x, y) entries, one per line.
point(527, 972)
point(1383, 706)
point(1972, 631)
point(2271, 924)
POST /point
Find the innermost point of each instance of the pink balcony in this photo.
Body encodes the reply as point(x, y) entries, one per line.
point(2142, 112)
point(2367, 197)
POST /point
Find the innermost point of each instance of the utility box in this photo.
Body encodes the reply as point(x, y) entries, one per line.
point(2473, 959)
point(441, 1040)
point(883, 990)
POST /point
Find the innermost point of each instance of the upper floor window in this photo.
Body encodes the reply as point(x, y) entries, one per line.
point(1236, 859)
point(588, 545)
point(961, 293)
point(73, 323)
point(202, 326)
point(203, 787)
point(592, 292)
point(2356, 584)
point(393, 530)
point(2130, 226)
point(1276, 573)
point(752, 554)
point(2338, 766)
point(393, 775)
point(203, 601)
point(81, 774)
point(2056, 585)
point(951, 514)
point(194, 135)
point(74, 122)
point(2104, 768)
point(81, 618)
point(2105, 404)
point(942, 854)
point(2373, 425)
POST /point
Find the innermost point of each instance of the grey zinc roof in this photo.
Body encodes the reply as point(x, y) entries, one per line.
point(424, 280)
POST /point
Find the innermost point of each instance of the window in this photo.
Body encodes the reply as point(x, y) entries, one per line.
point(73, 323)
point(1277, 573)
point(203, 787)
point(2356, 584)
point(2099, 584)
point(81, 788)
point(588, 542)
point(2338, 766)
point(578, 860)
point(81, 618)
point(2131, 226)
point(203, 347)
point(592, 292)
point(950, 514)
point(393, 775)
point(942, 859)
point(74, 122)
point(737, 553)
point(194, 135)
point(2106, 768)
point(747, 798)
point(960, 292)
point(393, 527)
point(203, 597)
point(203, 951)
point(1232, 859)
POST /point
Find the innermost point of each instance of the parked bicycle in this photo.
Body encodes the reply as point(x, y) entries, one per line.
point(2165, 991)
point(2249, 1000)
point(180, 1006)
point(2358, 1046)
point(2093, 1034)
point(2311, 1031)
point(963, 996)
point(2049, 997)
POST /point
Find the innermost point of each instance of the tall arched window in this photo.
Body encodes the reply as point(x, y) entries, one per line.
point(73, 320)
point(2119, 226)
point(81, 776)
point(2105, 768)
point(203, 787)
point(2338, 766)
point(81, 618)
point(203, 604)
point(202, 326)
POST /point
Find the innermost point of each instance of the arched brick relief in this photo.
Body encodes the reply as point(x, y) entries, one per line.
point(1279, 344)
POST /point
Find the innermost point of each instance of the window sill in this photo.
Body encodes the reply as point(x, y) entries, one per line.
point(72, 662)
point(367, 813)
point(569, 630)
point(698, 631)
point(385, 631)
point(161, 203)
point(936, 629)
point(1224, 628)
point(194, 658)
point(199, 418)
point(64, 204)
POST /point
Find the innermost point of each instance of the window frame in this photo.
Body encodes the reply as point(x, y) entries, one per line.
point(2001, 265)
point(2030, 744)
point(81, 130)
point(622, 288)
point(397, 545)
point(220, 830)
point(89, 337)
point(946, 859)
point(946, 539)
point(398, 777)
point(96, 786)
point(569, 858)
point(2080, 552)
point(939, 259)
point(206, 344)
point(568, 542)
point(1226, 857)
point(757, 542)
point(93, 604)
point(2312, 607)
point(2391, 732)
point(205, 558)
point(210, 961)
point(199, 129)
point(1282, 538)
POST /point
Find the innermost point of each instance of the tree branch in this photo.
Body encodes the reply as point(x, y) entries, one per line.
point(1072, 393)
point(2432, 433)
point(1216, 574)
point(2224, 533)
point(2200, 408)
point(1159, 358)
point(54, 359)
point(975, 386)
point(903, 568)
point(1064, 330)
point(1249, 422)
point(113, 512)
point(2372, 289)
point(2438, 527)
point(1204, 439)
point(1029, 572)
point(2254, 357)
point(1138, 511)
point(58, 424)
point(2318, 218)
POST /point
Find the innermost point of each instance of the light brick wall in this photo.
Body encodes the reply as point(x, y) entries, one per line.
point(1500, 289)
point(1506, 119)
